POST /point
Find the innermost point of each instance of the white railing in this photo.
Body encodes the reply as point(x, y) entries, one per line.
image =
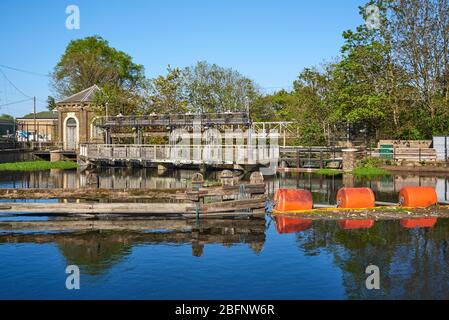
point(193, 154)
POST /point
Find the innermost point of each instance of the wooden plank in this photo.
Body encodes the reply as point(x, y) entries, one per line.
point(95, 208)
point(221, 215)
point(92, 193)
point(226, 206)
point(75, 225)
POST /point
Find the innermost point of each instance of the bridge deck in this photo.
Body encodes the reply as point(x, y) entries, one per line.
point(191, 154)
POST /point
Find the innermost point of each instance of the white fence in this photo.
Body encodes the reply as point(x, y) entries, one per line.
point(179, 154)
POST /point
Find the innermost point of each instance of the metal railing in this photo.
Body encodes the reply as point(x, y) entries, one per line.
point(173, 120)
point(190, 154)
point(403, 154)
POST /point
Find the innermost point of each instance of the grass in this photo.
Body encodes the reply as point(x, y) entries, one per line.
point(328, 172)
point(361, 172)
point(370, 172)
point(37, 165)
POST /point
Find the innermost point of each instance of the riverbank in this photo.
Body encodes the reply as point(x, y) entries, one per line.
point(360, 172)
point(37, 165)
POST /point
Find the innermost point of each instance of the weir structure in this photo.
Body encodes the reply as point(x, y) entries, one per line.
point(220, 140)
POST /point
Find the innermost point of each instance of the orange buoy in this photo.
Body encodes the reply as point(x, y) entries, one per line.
point(418, 223)
point(292, 224)
point(292, 200)
point(418, 197)
point(355, 198)
point(349, 224)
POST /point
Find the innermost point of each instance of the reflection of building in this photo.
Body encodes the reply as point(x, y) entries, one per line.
point(75, 119)
point(41, 127)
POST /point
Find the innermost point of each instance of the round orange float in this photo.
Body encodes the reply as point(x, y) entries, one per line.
point(417, 197)
point(418, 223)
point(355, 198)
point(349, 224)
point(292, 224)
point(292, 200)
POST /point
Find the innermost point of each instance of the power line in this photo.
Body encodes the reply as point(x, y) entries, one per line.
point(14, 86)
point(24, 71)
point(15, 102)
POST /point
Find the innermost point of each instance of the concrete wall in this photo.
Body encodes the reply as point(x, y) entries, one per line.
point(15, 155)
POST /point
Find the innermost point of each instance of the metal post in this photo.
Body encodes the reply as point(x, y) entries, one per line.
point(298, 160)
point(35, 121)
point(321, 159)
point(445, 148)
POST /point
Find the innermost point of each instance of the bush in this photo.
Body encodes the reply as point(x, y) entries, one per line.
point(369, 162)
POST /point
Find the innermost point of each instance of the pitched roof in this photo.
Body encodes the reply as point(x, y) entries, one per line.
point(41, 115)
point(87, 95)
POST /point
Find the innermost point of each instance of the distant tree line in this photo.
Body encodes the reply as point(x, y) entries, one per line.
point(392, 80)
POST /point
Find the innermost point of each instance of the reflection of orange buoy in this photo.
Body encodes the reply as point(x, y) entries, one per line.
point(292, 200)
point(355, 198)
point(349, 224)
point(418, 197)
point(418, 223)
point(292, 224)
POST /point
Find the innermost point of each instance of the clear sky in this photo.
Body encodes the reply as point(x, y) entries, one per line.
point(270, 41)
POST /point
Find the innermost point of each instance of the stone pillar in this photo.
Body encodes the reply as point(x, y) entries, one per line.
point(227, 178)
point(197, 181)
point(349, 159)
point(256, 178)
point(55, 156)
point(348, 180)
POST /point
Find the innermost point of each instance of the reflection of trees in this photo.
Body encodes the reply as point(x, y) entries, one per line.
point(96, 251)
point(413, 263)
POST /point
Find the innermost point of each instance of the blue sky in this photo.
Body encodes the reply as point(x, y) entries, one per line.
point(267, 40)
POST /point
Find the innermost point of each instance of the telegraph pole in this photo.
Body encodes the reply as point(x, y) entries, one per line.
point(35, 122)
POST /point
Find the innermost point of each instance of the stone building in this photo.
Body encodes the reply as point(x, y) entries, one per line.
point(41, 127)
point(75, 119)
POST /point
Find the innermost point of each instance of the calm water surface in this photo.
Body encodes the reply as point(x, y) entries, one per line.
point(263, 259)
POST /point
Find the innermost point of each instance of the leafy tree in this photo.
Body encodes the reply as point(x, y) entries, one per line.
point(90, 61)
point(51, 103)
point(272, 107)
point(167, 94)
point(6, 117)
point(358, 92)
point(211, 88)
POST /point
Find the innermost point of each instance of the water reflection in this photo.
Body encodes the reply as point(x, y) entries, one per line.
point(414, 263)
point(324, 189)
point(96, 251)
point(412, 254)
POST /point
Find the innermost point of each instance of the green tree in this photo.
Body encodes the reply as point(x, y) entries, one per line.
point(90, 61)
point(51, 103)
point(358, 88)
point(211, 88)
point(166, 94)
point(272, 107)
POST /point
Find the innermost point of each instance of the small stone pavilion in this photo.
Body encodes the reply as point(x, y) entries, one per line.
point(75, 119)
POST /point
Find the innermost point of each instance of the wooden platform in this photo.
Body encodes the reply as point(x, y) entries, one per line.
point(199, 201)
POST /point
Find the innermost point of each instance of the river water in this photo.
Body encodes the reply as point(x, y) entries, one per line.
point(254, 259)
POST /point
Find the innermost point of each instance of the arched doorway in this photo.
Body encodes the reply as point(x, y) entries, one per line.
point(71, 136)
